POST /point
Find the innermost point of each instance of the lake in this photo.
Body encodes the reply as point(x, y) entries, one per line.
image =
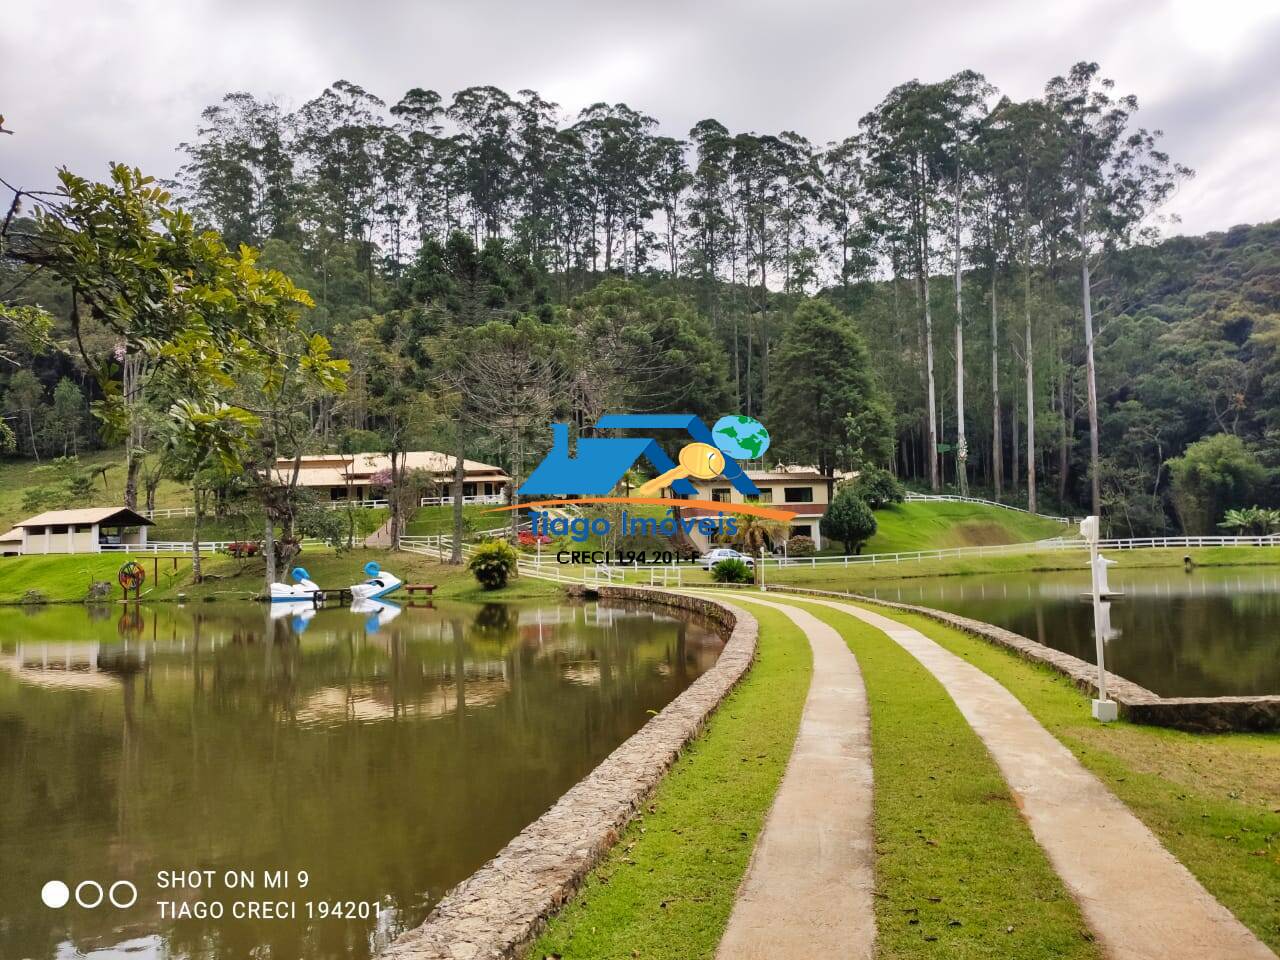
point(1211, 632)
point(385, 754)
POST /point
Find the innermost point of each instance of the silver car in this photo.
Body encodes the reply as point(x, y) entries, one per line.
point(712, 557)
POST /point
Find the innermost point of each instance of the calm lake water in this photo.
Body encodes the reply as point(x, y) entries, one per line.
point(386, 755)
point(1211, 632)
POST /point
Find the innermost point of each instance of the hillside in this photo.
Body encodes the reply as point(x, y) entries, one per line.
point(918, 525)
point(16, 476)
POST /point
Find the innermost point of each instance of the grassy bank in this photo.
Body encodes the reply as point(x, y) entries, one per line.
point(62, 578)
point(958, 872)
point(934, 526)
point(836, 576)
point(1213, 800)
point(666, 889)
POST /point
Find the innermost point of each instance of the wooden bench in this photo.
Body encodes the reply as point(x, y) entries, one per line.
point(427, 588)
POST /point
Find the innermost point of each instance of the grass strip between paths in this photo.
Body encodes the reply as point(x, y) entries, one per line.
point(958, 872)
point(666, 888)
point(1213, 800)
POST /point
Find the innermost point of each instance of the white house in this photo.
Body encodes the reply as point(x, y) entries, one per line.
point(804, 491)
point(343, 476)
point(87, 530)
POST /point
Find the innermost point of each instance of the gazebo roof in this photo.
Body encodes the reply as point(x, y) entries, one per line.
point(113, 516)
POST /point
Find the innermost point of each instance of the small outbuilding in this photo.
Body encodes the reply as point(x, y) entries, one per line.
point(87, 530)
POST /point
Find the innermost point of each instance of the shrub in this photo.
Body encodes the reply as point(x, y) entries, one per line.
point(99, 590)
point(732, 570)
point(849, 520)
point(877, 488)
point(493, 563)
point(529, 541)
point(34, 596)
point(801, 546)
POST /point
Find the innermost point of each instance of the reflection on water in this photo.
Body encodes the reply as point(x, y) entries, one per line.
point(386, 752)
point(1211, 632)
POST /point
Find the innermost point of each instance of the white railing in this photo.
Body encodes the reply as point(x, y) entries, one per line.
point(1138, 543)
point(1054, 543)
point(182, 546)
point(658, 573)
point(666, 576)
point(952, 498)
point(488, 498)
point(169, 513)
point(166, 513)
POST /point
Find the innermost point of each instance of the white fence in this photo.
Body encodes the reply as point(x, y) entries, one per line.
point(169, 513)
point(950, 498)
point(1054, 543)
point(182, 546)
point(491, 499)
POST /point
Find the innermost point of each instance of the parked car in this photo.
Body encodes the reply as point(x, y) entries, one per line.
point(712, 557)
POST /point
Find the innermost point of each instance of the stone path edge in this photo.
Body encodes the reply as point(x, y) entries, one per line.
point(1137, 703)
point(502, 907)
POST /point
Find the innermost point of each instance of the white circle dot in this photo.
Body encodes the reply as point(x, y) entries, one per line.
point(55, 894)
point(129, 887)
point(89, 885)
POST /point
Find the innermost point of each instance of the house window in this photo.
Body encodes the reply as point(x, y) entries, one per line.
point(82, 528)
point(58, 528)
point(720, 494)
point(766, 496)
point(802, 530)
point(797, 494)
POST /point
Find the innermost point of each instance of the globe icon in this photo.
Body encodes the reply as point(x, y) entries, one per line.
point(741, 437)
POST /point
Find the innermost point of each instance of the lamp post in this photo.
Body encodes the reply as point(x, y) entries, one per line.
point(1104, 708)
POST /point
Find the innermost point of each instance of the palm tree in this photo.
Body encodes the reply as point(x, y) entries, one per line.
point(1258, 520)
point(756, 534)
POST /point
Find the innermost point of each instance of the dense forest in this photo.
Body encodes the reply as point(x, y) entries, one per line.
point(968, 290)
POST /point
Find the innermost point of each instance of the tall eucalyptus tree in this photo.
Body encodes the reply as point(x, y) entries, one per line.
point(907, 137)
point(1116, 177)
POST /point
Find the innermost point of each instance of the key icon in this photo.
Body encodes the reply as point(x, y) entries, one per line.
point(701, 461)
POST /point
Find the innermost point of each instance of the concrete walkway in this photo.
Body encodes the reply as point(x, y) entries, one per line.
point(1140, 902)
point(807, 892)
point(380, 537)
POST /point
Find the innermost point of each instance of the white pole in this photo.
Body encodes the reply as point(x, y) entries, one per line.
point(1099, 643)
point(1104, 709)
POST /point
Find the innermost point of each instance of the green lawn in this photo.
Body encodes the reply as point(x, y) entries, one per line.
point(66, 578)
point(1213, 800)
point(666, 889)
point(836, 576)
point(958, 872)
point(431, 521)
point(919, 525)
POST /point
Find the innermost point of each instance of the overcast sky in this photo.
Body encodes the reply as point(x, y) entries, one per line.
point(82, 82)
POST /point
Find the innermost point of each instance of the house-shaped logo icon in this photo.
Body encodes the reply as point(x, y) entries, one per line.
point(599, 463)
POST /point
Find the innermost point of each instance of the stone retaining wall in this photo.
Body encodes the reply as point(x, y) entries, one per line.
point(1137, 704)
point(501, 908)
